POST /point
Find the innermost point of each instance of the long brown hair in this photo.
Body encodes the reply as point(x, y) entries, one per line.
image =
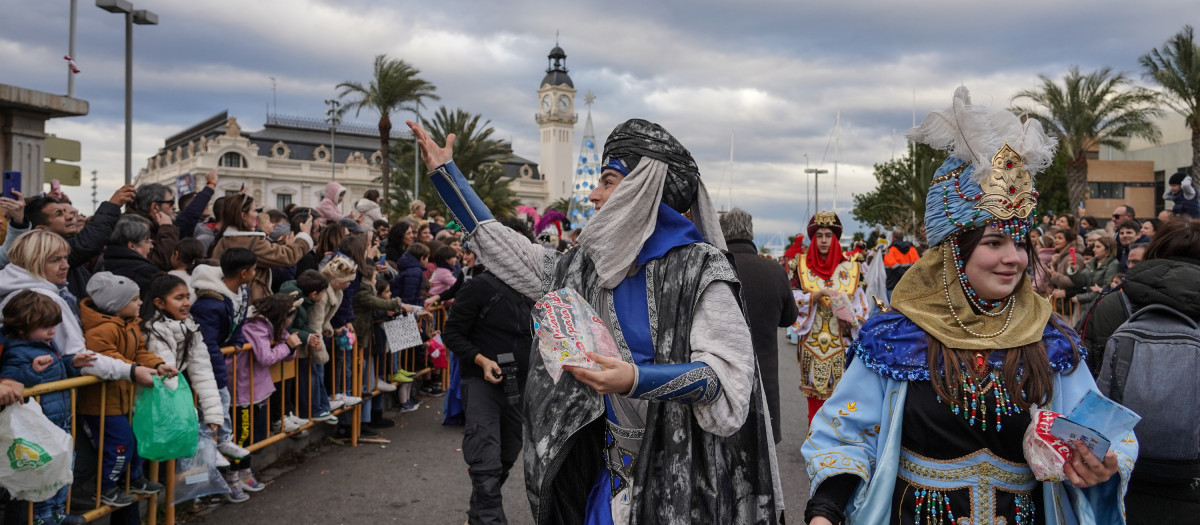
point(1026, 368)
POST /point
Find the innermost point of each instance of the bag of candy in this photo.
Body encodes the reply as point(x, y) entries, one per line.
point(1045, 453)
point(567, 327)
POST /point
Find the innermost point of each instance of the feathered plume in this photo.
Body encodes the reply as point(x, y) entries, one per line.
point(975, 133)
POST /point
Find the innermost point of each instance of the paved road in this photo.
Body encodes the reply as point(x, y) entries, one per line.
point(420, 478)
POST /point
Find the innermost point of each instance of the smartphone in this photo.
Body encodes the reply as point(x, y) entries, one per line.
point(12, 181)
point(1073, 262)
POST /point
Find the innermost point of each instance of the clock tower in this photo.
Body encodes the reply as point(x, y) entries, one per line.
point(556, 119)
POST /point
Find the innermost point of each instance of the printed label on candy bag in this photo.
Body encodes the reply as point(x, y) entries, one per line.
point(1045, 453)
point(567, 328)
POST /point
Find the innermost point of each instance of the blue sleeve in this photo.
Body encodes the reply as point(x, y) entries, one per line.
point(187, 220)
point(18, 366)
point(460, 198)
point(209, 319)
point(682, 383)
point(345, 312)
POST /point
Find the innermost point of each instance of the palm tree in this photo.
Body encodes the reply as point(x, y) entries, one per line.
point(395, 87)
point(476, 154)
point(1176, 67)
point(898, 200)
point(1097, 109)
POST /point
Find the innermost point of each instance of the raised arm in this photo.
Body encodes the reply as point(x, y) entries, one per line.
point(514, 259)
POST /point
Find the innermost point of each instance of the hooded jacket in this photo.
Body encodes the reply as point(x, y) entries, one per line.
point(369, 209)
point(89, 243)
point(366, 303)
point(16, 363)
point(329, 208)
point(254, 375)
point(900, 257)
point(1169, 282)
point(69, 337)
point(123, 261)
point(180, 344)
point(120, 339)
point(409, 276)
point(303, 327)
point(220, 313)
point(270, 255)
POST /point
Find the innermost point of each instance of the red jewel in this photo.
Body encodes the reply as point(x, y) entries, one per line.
point(1008, 165)
point(1012, 189)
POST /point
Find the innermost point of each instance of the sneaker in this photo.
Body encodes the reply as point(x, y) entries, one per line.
point(335, 404)
point(399, 377)
point(221, 461)
point(325, 417)
point(230, 449)
point(410, 405)
point(144, 486)
point(247, 482)
point(433, 391)
point(116, 498)
point(299, 421)
point(348, 400)
point(385, 386)
point(69, 519)
point(235, 494)
point(381, 423)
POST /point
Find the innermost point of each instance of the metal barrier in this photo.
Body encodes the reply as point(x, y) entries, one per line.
point(414, 359)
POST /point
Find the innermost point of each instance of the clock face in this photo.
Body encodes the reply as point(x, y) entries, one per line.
point(564, 103)
point(546, 103)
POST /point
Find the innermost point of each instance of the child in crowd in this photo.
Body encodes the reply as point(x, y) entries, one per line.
point(340, 271)
point(1183, 195)
point(270, 342)
point(407, 283)
point(173, 336)
point(111, 327)
point(311, 285)
point(379, 338)
point(370, 309)
point(222, 302)
point(443, 278)
point(31, 358)
point(188, 254)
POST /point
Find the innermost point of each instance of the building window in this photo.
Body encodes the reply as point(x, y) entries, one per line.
point(233, 159)
point(1106, 190)
point(229, 193)
point(282, 200)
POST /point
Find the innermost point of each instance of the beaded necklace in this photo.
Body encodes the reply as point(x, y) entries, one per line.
point(1018, 229)
point(972, 402)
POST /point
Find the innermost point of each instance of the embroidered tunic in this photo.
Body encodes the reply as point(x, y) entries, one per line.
point(823, 336)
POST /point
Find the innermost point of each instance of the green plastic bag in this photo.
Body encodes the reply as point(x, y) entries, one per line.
point(164, 422)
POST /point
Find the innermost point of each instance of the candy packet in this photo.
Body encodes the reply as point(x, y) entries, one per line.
point(566, 328)
point(1093, 421)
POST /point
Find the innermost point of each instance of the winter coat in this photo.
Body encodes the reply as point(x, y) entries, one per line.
point(206, 233)
point(442, 280)
point(1169, 282)
point(123, 261)
point(120, 339)
point(254, 365)
point(1186, 200)
point(505, 326)
point(408, 281)
point(328, 208)
point(302, 326)
point(89, 243)
point(366, 303)
point(69, 337)
point(220, 313)
point(900, 257)
point(1096, 272)
point(769, 305)
point(345, 311)
point(180, 344)
point(166, 236)
point(16, 363)
point(320, 316)
point(11, 232)
point(270, 255)
point(369, 209)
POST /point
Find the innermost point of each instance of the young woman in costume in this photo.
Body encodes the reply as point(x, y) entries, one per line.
point(928, 425)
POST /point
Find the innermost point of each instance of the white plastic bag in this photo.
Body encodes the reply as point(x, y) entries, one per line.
point(198, 476)
point(38, 454)
point(1045, 453)
point(567, 327)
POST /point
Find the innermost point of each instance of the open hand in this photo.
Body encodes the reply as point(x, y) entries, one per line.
point(1085, 470)
point(83, 359)
point(210, 178)
point(124, 195)
point(616, 377)
point(432, 154)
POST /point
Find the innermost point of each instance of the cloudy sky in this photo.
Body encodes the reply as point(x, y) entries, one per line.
point(773, 74)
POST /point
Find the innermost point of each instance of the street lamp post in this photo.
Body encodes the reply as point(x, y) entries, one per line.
point(334, 118)
point(139, 17)
point(816, 186)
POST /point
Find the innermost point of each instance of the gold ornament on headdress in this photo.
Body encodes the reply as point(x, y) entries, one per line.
point(1008, 188)
point(825, 218)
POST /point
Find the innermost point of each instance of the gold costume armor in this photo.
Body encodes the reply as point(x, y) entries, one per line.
point(823, 337)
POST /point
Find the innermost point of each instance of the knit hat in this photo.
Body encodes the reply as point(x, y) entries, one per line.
point(110, 293)
point(1177, 178)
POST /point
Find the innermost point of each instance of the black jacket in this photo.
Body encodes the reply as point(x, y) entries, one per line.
point(120, 260)
point(1170, 282)
point(166, 236)
point(769, 305)
point(89, 243)
point(489, 317)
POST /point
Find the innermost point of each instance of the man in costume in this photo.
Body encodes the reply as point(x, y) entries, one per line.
point(676, 431)
point(932, 431)
point(832, 308)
